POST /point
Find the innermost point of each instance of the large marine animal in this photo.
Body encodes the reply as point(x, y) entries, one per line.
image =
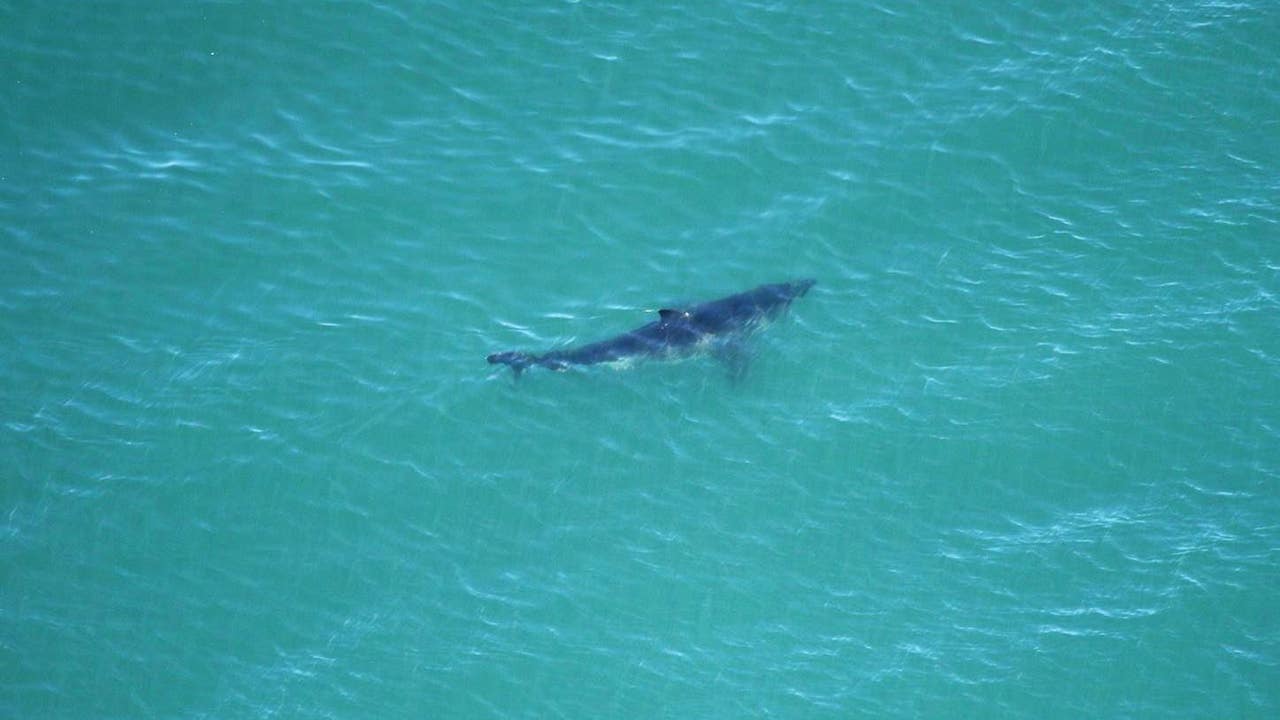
point(719, 327)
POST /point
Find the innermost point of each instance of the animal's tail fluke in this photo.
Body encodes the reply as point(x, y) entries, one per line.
point(517, 360)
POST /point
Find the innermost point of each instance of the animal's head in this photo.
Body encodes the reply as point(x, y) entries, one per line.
point(781, 294)
point(797, 288)
point(768, 301)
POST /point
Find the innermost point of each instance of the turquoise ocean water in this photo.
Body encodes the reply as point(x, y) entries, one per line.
point(1016, 455)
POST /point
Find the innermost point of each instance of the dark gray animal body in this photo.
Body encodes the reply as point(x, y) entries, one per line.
point(718, 326)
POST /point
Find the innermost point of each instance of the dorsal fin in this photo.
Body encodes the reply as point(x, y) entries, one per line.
point(668, 314)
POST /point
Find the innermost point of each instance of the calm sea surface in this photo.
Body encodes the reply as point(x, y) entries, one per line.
point(1017, 454)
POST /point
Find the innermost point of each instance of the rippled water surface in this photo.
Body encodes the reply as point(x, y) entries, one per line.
point(1015, 455)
